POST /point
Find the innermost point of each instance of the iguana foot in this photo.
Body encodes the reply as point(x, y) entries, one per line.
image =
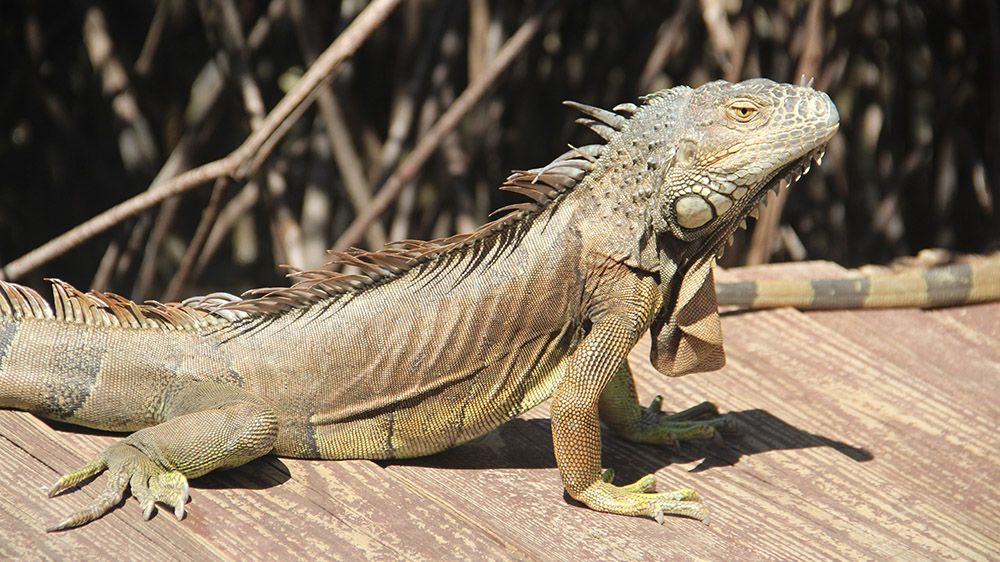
point(127, 467)
point(641, 499)
point(701, 421)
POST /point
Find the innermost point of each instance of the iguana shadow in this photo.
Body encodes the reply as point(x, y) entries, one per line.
point(527, 443)
point(523, 443)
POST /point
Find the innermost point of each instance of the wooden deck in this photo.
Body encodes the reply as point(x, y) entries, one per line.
point(869, 435)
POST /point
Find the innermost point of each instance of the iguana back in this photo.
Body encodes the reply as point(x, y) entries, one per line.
point(431, 358)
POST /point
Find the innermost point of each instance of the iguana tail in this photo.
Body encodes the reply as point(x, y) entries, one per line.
point(975, 281)
point(55, 360)
point(100, 360)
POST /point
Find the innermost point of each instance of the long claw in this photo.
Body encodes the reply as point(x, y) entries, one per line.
point(171, 488)
point(685, 495)
point(698, 411)
point(179, 508)
point(643, 485)
point(701, 421)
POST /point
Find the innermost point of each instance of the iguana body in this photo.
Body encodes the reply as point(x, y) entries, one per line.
point(436, 343)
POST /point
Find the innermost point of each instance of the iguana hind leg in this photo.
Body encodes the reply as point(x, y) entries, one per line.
point(207, 426)
point(620, 410)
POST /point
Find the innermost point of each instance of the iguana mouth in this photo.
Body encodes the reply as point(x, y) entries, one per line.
point(751, 206)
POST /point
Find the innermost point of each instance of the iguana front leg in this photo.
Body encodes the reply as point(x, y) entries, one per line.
point(207, 426)
point(620, 410)
point(576, 433)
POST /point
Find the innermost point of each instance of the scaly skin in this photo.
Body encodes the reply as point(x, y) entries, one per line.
point(975, 281)
point(436, 343)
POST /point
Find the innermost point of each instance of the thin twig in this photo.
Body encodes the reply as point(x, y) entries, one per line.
point(138, 150)
point(202, 124)
point(430, 110)
point(317, 196)
point(204, 97)
point(137, 147)
point(106, 266)
point(144, 62)
point(405, 201)
point(151, 249)
point(287, 232)
point(239, 164)
point(208, 216)
point(235, 209)
point(285, 229)
point(262, 28)
point(668, 37)
point(720, 34)
point(888, 210)
point(429, 143)
point(479, 24)
point(359, 192)
point(741, 44)
point(231, 34)
point(407, 97)
point(215, 224)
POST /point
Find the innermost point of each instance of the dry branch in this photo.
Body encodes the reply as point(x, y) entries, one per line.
point(239, 164)
point(429, 143)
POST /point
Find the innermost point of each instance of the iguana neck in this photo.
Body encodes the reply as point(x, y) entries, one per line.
point(612, 205)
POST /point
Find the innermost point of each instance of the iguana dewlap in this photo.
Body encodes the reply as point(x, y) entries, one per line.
point(436, 343)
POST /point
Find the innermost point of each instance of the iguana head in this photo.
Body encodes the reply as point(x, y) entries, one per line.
point(722, 147)
point(698, 162)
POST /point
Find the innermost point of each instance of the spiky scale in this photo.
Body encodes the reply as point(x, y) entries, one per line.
point(602, 130)
point(609, 118)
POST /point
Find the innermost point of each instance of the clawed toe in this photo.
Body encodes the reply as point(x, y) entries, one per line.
point(702, 411)
point(639, 498)
point(127, 468)
point(167, 488)
point(71, 479)
point(101, 505)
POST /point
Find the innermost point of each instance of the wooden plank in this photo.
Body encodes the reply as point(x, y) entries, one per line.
point(31, 457)
point(510, 483)
point(277, 507)
point(939, 378)
point(868, 435)
point(910, 390)
point(818, 382)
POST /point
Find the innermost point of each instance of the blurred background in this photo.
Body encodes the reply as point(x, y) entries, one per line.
point(101, 98)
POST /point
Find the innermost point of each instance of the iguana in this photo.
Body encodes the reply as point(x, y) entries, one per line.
point(432, 344)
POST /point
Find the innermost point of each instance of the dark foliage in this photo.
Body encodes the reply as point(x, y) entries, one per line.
point(97, 96)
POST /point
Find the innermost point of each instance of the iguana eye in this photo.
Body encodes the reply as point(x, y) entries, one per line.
point(743, 111)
